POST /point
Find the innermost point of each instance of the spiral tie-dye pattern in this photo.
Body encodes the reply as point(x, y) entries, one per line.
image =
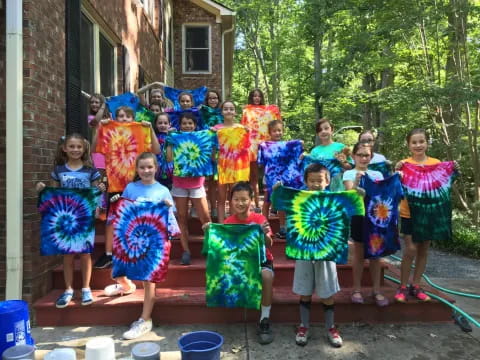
point(428, 191)
point(68, 220)
point(234, 257)
point(141, 246)
point(192, 153)
point(380, 225)
point(317, 222)
point(233, 155)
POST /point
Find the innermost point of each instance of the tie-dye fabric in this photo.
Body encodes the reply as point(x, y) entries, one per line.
point(121, 143)
point(211, 116)
point(141, 245)
point(233, 155)
point(198, 94)
point(143, 114)
point(256, 118)
point(68, 220)
point(428, 191)
point(233, 274)
point(128, 99)
point(318, 222)
point(282, 163)
point(192, 153)
point(175, 116)
point(384, 167)
point(380, 226)
point(165, 168)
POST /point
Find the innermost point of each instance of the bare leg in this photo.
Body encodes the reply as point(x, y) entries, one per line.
point(265, 207)
point(254, 181)
point(267, 287)
point(68, 271)
point(201, 206)
point(86, 267)
point(375, 267)
point(181, 204)
point(148, 300)
point(420, 261)
point(109, 238)
point(281, 218)
point(212, 193)
point(126, 283)
point(409, 253)
point(222, 198)
point(357, 265)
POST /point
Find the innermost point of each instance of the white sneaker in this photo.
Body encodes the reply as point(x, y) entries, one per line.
point(117, 289)
point(137, 329)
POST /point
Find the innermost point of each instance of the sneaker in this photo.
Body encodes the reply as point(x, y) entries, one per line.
point(302, 336)
point(185, 258)
point(264, 332)
point(64, 299)
point(137, 329)
point(401, 295)
point(87, 297)
point(103, 262)
point(334, 337)
point(418, 293)
point(282, 234)
point(117, 289)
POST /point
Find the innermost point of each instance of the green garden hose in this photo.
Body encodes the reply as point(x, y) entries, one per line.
point(445, 290)
point(458, 313)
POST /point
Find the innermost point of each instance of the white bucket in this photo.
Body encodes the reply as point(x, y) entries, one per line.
point(100, 348)
point(61, 354)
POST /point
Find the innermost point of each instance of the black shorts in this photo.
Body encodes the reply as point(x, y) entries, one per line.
point(406, 226)
point(356, 228)
point(267, 265)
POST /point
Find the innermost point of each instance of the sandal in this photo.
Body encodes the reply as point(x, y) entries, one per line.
point(380, 299)
point(357, 297)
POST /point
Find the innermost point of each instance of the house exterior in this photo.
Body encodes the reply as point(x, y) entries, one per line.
point(75, 46)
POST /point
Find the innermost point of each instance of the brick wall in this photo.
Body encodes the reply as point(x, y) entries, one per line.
point(138, 32)
point(185, 12)
point(44, 106)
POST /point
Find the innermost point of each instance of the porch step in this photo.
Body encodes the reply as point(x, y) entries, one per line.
point(187, 305)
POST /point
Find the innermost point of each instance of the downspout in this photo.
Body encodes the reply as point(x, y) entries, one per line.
point(14, 148)
point(223, 59)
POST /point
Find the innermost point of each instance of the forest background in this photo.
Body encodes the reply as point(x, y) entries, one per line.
point(386, 65)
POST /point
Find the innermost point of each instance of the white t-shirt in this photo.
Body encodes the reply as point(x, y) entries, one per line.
point(377, 158)
point(350, 175)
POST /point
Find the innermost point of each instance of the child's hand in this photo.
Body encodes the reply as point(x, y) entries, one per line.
point(172, 129)
point(93, 123)
point(276, 185)
point(102, 187)
point(360, 191)
point(266, 228)
point(104, 121)
point(168, 203)
point(205, 226)
point(341, 157)
point(146, 123)
point(40, 186)
point(399, 165)
point(114, 198)
point(302, 155)
point(212, 128)
point(358, 176)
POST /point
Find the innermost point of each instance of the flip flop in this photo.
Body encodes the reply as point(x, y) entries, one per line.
point(357, 299)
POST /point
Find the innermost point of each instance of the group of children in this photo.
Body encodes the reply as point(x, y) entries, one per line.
point(155, 181)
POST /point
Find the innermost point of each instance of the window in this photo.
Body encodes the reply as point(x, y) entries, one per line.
point(98, 65)
point(196, 54)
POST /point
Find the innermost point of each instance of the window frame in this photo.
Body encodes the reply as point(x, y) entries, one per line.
point(184, 49)
point(97, 30)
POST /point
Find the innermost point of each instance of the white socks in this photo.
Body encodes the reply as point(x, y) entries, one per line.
point(265, 312)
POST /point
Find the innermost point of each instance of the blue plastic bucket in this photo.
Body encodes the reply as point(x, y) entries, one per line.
point(201, 345)
point(14, 324)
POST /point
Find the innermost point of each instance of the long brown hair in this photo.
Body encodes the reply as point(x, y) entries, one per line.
point(61, 157)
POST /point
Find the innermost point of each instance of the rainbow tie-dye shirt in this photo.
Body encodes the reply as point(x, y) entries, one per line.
point(233, 155)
